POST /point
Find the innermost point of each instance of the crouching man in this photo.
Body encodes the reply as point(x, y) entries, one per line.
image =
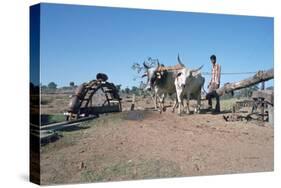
point(214, 84)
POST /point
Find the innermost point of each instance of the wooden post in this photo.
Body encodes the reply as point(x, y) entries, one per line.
point(262, 85)
point(133, 103)
point(262, 100)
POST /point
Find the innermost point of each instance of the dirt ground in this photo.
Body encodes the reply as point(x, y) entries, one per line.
point(146, 144)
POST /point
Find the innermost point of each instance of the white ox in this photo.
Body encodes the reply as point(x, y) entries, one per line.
point(189, 84)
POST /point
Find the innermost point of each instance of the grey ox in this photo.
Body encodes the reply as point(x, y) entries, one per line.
point(161, 80)
point(189, 84)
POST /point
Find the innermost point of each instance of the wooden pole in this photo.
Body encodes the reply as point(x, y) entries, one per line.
point(133, 103)
point(260, 76)
point(262, 105)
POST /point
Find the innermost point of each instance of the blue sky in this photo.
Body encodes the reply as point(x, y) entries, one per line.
point(79, 41)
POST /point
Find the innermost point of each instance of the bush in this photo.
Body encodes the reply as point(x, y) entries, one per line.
point(46, 101)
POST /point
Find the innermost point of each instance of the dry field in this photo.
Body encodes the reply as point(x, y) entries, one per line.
point(144, 144)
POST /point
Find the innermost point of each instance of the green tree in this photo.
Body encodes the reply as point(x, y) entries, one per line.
point(135, 90)
point(247, 92)
point(127, 90)
point(44, 87)
point(71, 84)
point(52, 85)
point(118, 87)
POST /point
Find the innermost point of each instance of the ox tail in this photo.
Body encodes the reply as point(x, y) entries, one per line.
point(202, 87)
point(204, 91)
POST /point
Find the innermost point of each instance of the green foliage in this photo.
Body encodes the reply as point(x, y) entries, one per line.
point(43, 87)
point(52, 85)
point(127, 90)
point(226, 96)
point(137, 67)
point(246, 92)
point(133, 90)
point(118, 87)
point(71, 84)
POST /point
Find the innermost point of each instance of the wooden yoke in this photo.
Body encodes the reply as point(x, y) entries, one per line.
point(170, 68)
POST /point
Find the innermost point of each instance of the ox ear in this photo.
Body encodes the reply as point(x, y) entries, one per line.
point(179, 74)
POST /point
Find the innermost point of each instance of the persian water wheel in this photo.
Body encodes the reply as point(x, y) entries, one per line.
point(94, 98)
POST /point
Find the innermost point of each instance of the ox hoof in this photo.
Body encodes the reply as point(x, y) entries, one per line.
point(196, 111)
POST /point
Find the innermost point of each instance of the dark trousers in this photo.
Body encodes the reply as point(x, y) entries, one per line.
point(213, 94)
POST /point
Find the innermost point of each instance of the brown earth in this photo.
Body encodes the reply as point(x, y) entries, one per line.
point(145, 144)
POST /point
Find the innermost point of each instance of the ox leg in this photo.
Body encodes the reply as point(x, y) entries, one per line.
point(183, 106)
point(155, 102)
point(198, 103)
point(161, 103)
point(176, 104)
point(154, 99)
point(154, 96)
point(179, 99)
point(180, 106)
point(187, 105)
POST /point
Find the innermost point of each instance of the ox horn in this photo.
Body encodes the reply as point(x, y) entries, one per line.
point(158, 64)
point(196, 70)
point(179, 60)
point(145, 65)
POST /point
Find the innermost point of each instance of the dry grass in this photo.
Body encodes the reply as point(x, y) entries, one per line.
point(131, 170)
point(54, 103)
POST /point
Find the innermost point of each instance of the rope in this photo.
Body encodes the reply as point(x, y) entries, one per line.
point(229, 73)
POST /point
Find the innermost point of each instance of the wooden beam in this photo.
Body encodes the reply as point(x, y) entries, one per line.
point(262, 106)
point(61, 125)
point(260, 76)
point(133, 102)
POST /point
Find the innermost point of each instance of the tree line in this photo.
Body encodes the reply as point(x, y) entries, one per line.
point(52, 86)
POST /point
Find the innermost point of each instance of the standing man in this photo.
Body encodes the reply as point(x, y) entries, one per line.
point(214, 84)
